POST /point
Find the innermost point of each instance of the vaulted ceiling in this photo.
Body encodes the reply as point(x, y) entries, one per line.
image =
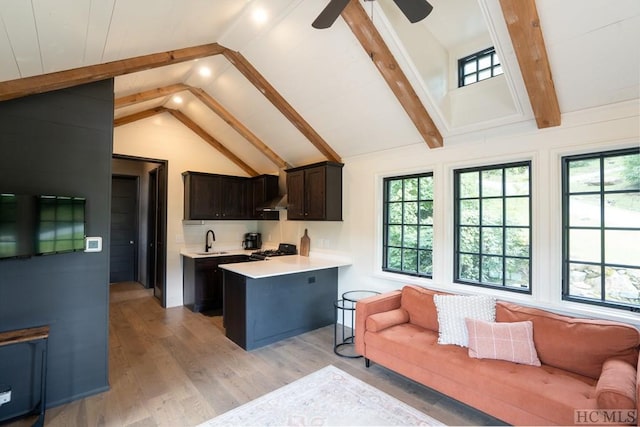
point(278, 92)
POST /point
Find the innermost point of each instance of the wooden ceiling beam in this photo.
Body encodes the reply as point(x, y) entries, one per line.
point(523, 23)
point(245, 67)
point(148, 95)
point(212, 141)
point(138, 116)
point(210, 103)
point(63, 79)
point(225, 115)
point(372, 42)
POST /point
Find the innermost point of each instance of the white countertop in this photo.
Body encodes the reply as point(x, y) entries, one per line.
point(214, 253)
point(289, 264)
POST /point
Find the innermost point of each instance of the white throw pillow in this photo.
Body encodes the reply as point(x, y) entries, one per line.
point(453, 309)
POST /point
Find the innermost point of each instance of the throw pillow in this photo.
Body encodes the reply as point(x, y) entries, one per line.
point(616, 388)
point(453, 309)
point(502, 340)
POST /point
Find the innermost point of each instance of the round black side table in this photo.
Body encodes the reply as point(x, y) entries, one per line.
point(344, 341)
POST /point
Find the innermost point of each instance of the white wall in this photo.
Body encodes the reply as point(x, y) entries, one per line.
point(359, 235)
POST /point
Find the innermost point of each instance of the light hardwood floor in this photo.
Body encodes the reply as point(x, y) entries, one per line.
point(172, 367)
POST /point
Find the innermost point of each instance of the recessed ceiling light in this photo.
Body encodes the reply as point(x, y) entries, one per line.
point(260, 15)
point(204, 71)
point(177, 99)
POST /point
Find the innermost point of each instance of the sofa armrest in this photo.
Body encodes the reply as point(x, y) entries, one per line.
point(368, 306)
point(638, 392)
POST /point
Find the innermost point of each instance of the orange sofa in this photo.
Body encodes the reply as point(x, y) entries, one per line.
point(399, 330)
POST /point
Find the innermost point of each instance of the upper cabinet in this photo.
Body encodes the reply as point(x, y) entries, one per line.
point(224, 197)
point(315, 192)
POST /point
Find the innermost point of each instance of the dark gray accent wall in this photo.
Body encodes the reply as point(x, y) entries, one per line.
point(60, 143)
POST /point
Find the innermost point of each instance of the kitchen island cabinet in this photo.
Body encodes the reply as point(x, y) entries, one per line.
point(267, 301)
point(258, 312)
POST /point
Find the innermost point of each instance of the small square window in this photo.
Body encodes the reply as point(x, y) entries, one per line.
point(479, 66)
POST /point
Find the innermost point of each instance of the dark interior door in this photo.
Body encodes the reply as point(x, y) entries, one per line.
point(124, 229)
point(161, 235)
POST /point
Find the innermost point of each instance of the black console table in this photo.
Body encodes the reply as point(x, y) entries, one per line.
point(35, 336)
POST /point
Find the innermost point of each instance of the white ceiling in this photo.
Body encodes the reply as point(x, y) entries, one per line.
point(593, 48)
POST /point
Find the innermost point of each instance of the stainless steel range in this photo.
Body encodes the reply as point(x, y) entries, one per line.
point(283, 249)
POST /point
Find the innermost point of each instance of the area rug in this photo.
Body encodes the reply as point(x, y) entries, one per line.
point(328, 397)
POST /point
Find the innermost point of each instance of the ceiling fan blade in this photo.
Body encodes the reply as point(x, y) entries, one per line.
point(329, 14)
point(414, 10)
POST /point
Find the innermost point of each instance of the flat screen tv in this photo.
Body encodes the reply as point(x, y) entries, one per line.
point(40, 225)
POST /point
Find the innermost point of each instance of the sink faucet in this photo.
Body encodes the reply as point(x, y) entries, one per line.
point(208, 245)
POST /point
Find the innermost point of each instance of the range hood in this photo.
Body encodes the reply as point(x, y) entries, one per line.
point(276, 204)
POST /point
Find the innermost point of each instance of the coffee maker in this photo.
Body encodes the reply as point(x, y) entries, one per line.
point(252, 241)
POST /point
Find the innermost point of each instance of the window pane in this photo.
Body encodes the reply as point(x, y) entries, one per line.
point(517, 211)
point(496, 59)
point(622, 247)
point(426, 188)
point(585, 280)
point(395, 235)
point(485, 74)
point(394, 258)
point(517, 181)
point(470, 67)
point(517, 274)
point(584, 175)
point(426, 238)
point(469, 184)
point(411, 189)
point(470, 212)
point(492, 183)
point(470, 79)
point(395, 213)
point(492, 212)
point(492, 270)
point(622, 172)
point(410, 236)
point(470, 239)
point(622, 210)
point(497, 70)
point(469, 268)
point(425, 262)
point(411, 213)
point(484, 62)
point(395, 190)
point(584, 245)
point(410, 260)
point(517, 242)
point(492, 240)
point(584, 211)
point(426, 213)
point(622, 285)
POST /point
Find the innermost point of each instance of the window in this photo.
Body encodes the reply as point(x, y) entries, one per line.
point(479, 66)
point(601, 228)
point(493, 226)
point(408, 225)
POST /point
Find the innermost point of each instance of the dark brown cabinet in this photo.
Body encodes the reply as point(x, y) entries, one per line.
point(224, 197)
point(315, 192)
point(202, 281)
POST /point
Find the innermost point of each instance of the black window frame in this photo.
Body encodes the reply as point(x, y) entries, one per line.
point(566, 261)
point(385, 226)
point(457, 227)
point(477, 57)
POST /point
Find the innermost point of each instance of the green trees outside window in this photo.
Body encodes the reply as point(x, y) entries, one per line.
point(408, 225)
point(601, 228)
point(492, 211)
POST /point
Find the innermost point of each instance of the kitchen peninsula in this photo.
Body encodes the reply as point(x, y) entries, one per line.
point(266, 301)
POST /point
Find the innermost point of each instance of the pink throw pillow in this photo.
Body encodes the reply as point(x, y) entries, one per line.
point(511, 341)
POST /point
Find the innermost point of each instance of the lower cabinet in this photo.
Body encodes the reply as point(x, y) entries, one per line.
point(202, 281)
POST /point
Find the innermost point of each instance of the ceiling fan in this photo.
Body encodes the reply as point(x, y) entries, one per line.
point(414, 10)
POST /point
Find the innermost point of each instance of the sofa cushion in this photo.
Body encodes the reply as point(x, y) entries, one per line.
point(418, 302)
point(379, 321)
point(453, 309)
point(616, 388)
point(502, 341)
point(591, 341)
